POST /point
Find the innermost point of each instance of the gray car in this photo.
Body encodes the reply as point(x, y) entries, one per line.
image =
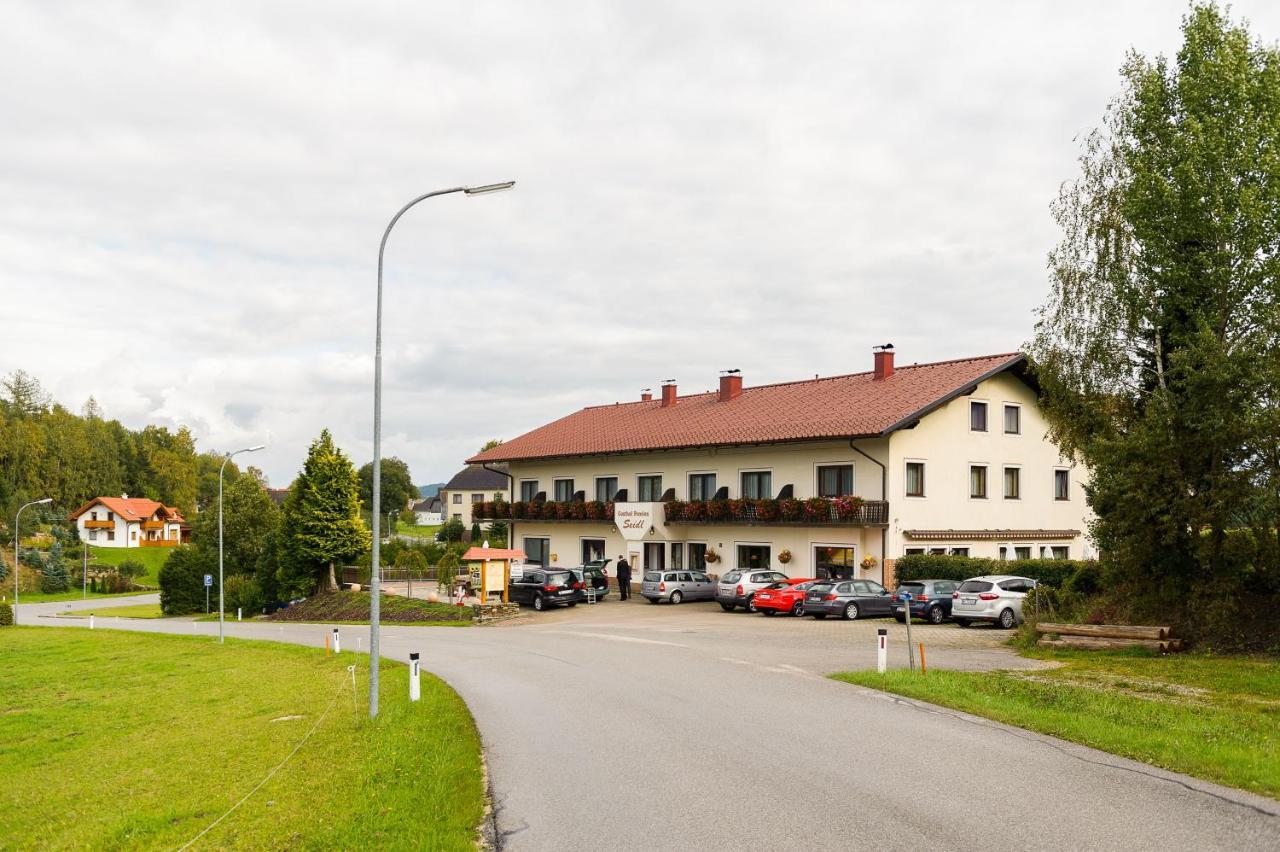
point(677, 586)
point(848, 599)
point(739, 587)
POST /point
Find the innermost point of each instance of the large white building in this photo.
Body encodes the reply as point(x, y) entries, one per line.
point(126, 521)
point(831, 476)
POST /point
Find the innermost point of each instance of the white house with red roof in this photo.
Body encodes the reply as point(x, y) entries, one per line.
point(126, 521)
point(833, 476)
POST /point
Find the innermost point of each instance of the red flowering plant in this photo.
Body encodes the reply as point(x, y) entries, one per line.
point(674, 510)
point(608, 510)
point(518, 509)
point(817, 509)
point(695, 510)
point(766, 510)
point(717, 510)
point(577, 510)
point(738, 509)
point(561, 509)
point(847, 507)
point(547, 510)
point(594, 510)
point(790, 509)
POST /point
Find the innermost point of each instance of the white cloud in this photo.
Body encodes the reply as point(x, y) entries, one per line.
point(193, 195)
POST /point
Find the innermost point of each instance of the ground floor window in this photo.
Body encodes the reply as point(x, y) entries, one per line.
point(1022, 552)
point(913, 551)
point(1053, 553)
point(592, 550)
point(753, 557)
point(937, 551)
point(834, 563)
point(655, 556)
point(93, 535)
point(111, 535)
point(677, 555)
point(537, 551)
point(697, 556)
point(959, 551)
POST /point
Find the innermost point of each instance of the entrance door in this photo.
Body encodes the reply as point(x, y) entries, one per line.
point(655, 556)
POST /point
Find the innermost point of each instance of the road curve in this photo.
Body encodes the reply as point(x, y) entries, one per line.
point(604, 739)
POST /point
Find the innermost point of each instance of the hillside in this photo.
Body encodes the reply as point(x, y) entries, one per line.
point(425, 491)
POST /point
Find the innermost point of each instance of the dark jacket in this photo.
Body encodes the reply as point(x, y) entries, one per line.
point(624, 570)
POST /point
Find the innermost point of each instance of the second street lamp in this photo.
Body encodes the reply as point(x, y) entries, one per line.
point(376, 501)
point(16, 539)
point(229, 456)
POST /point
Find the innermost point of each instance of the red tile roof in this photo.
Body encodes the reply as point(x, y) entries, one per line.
point(131, 508)
point(853, 406)
point(488, 553)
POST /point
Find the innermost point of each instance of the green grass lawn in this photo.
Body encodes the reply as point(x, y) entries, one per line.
point(353, 608)
point(1216, 718)
point(115, 740)
point(135, 611)
point(414, 531)
point(75, 595)
point(151, 558)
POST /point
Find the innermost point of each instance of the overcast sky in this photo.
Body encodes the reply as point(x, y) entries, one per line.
point(192, 194)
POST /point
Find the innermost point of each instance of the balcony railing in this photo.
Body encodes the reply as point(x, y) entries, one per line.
point(153, 525)
point(543, 510)
point(99, 525)
point(815, 511)
point(159, 542)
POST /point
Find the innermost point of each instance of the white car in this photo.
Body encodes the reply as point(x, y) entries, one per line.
point(996, 598)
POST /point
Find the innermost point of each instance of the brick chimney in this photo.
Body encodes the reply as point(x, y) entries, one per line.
point(668, 394)
point(884, 362)
point(730, 385)
point(646, 396)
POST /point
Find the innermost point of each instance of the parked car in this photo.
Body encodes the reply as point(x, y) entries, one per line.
point(592, 576)
point(996, 598)
point(677, 586)
point(738, 588)
point(930, 599)
point(848, 599)
point(783, 596)
point(544, 587)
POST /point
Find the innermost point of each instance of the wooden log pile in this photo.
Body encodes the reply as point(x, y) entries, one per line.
point(1094, 637)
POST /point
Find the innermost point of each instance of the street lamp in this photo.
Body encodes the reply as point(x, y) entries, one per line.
point(229, 456)
point(16, 539)
point(376, 505)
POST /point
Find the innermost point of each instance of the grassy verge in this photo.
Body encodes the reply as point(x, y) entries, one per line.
point(120, 740)
point(413, 531)
point(135, 611)
point(1216, 718)
point(150, 557)
point(353, 608)
point(56, 597)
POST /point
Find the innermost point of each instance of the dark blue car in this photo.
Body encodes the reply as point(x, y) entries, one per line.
point(930, 600)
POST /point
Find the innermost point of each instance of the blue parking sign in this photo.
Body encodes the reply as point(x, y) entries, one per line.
point(208, 580)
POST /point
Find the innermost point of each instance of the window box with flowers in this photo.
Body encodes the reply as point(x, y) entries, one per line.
point(850, 511)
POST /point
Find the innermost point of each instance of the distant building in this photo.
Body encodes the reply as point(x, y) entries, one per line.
point(473, 484)
point(126, 521)
point(278, 495)
point(428, 513)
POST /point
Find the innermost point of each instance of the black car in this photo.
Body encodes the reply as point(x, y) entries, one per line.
point(592, 576)
point(544, 587)
point(930, 600)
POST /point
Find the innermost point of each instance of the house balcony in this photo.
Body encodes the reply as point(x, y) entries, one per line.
point(99, 525)
point(153, 525)
point(159, 542)
point(545, 511)
point(812, 512)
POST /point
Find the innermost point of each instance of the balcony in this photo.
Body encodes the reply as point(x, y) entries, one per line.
point(99, 525)
point(551, 511)
point(813, 512)
point(159, 542)
point(153, 525)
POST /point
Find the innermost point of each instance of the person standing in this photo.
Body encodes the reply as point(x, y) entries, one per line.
point(624, 578)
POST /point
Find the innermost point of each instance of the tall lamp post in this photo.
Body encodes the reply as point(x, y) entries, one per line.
point(376, 504)
point(16, 539)
point(229, 457)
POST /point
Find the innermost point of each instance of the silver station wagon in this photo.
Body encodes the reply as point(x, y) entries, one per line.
point(677, 586)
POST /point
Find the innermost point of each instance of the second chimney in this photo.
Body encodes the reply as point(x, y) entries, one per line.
point(730, 386)
point(668, 395)
point(884, 364)
point(645, 396)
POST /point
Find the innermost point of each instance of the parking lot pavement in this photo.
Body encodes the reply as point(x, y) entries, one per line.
point(819, 647)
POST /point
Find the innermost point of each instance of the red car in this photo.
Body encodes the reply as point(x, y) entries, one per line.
point(783, 596)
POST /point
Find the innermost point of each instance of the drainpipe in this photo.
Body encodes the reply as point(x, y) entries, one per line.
point(884, 495)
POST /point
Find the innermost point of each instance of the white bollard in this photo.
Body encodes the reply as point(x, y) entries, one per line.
point(882, 655)
point(237, 613)
point(337, 647)
point(358, 644)
point(195, 627)
point(90, 621)
point(415, 690)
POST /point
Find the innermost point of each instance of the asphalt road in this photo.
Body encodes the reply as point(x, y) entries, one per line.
point(628, 728)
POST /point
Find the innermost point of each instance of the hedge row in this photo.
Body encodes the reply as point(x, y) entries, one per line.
point(1079, 575)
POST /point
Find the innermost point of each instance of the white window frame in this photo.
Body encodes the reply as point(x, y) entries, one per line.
point(706, 545)
point(520, 491)
point(689, 473)
point(584, 538)
point(662, 481)
point(1055, 497)
point(456, 498)
point(742, 471)
point(555, 488)
point(968, 411)
point(1003, 406)
point(1004, 484)
point(1065, 547)
point(845, 545)
point(925, 493)
point(968, 479)
point(853, 475)
point(772, 545)
point(915, 550)
point(1030, 548)
point(617, 485)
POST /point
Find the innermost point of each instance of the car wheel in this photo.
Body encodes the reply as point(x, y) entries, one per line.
point(538, 603)
point(798, 609)
point(901, 619)
point(1007, 619)
point(851, 612)
point(751, 604)
point(819, 615)
point(768, 612)
point(676, 597)
point(962, 622)
point(936, 615)
point(726, 607)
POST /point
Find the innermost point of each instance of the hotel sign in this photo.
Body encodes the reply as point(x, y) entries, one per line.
point(634, 520)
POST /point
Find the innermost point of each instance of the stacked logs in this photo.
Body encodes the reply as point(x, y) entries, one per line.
point(1095, 637)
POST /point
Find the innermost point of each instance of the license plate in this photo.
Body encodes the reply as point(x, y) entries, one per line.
point(968, 601)
point(565, 592)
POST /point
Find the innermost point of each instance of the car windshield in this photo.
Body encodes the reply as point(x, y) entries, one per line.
point(652, 577)
point(975, 586)
point(912, 588)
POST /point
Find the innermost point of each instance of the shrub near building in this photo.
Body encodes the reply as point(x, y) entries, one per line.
point(1055, 572)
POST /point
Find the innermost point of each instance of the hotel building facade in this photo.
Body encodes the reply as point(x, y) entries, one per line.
point(833, 476)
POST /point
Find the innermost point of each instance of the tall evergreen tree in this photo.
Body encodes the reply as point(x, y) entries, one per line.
point(321, 524)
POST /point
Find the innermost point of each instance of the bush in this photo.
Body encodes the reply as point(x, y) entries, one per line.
point(241, 591)
point(452, 530)
point(54, 576)
point(182, 581)
point(130, 568)
point(1055, 572)
point(6, 615)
